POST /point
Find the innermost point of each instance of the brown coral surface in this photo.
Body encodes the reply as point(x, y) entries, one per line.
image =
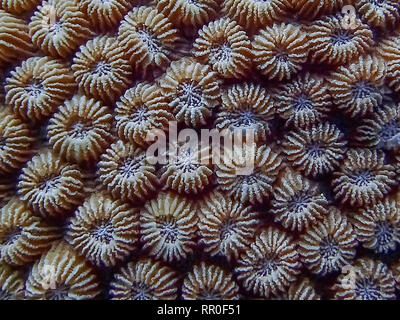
point(200, 149)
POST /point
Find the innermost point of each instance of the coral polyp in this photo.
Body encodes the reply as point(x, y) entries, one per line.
point(357, 90)
point(23, 236)
point(315, 151)
point(226, 228)
point(37, 87)
point(61, 274)
point(270, 264)
point(246, 107)
point(280, 51)
point(50, 186)
point(378, 226)
point(329, 245)
point(104, 230)
point(312, 9)
point(58, 27)
point(15, 142)
point(395, 268)
point(304, 101)
point(373, 280)
point(297, 202)
point(80, 130)
point(188, 14)
point(302, 290)
point(382, 130)
point(209, 282)
point(105, 15)
point(169, 227)
point(382, 14)
point(18, 6)
point(145, 279)
point(11, 283)
point(192, 91)
point(141, 111)
point(389, 51)
point(101, 70)
point(147, 37)
point(226, 47)
point(335, 44)
point(15, 42)
point(254, 14)
point(189, 171)
point(363, 178)
point(126, 173)
point(248, 172)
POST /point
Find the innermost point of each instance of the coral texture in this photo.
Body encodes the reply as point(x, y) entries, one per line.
point(15, 42)
point(200, 149)
point(23, 236)
point(15, 142)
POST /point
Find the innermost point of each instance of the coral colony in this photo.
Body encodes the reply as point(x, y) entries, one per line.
point(209, 149)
